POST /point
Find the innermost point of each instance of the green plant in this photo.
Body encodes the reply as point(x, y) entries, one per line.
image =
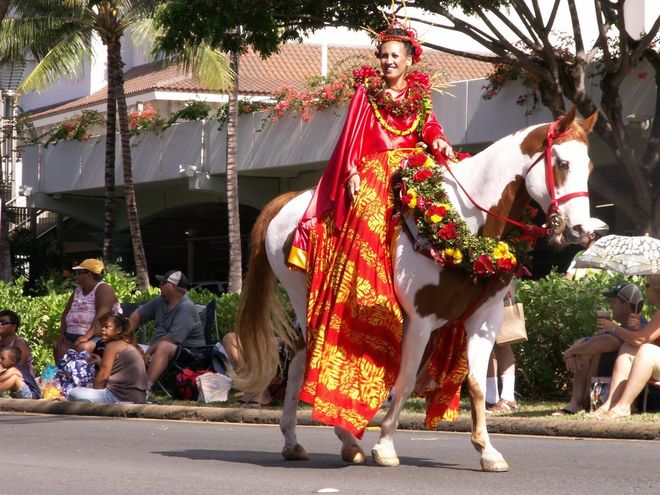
point(193, 110)
point(226, 311)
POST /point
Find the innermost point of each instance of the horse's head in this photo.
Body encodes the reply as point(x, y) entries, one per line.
point(556, 178)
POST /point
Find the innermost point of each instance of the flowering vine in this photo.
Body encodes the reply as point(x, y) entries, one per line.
point(449, 240)
point(76, 128)
point(146, 119)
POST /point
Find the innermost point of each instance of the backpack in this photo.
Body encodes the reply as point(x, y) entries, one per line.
point(186, 383)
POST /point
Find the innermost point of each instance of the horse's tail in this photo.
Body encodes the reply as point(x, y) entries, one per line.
point(262, 319)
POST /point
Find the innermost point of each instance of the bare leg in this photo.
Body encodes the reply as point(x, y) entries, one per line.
point(645, 366)
point(620, 374)
point(160, 359)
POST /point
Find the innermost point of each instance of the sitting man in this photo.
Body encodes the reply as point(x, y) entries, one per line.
point(625, 301)
point(177, 324)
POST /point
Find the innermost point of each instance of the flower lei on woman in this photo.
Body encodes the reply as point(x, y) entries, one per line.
point(450, 241)
point(416, 101)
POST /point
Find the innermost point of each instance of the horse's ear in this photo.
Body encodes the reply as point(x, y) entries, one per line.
point(566, 120)
point(589, 123)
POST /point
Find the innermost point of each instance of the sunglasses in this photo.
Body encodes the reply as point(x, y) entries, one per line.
point(5, 322)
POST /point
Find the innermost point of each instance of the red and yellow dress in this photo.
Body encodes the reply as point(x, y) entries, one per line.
point(354, 322)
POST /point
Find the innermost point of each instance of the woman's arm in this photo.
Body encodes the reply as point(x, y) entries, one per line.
point(640, 336)
point(109, 355)
point(64, 313)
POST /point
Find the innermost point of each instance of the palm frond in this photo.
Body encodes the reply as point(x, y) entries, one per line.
point(210, 66)
point(65, 59)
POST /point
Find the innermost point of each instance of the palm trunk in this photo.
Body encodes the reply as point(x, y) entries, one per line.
point(234, 226)
point(115, 67)
point(110, 140)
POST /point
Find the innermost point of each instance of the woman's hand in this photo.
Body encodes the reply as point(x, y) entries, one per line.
point(634, 321)
point(441, 147)
point(353, 183)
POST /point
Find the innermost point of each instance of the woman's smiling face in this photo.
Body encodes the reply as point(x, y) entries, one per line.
point(394, 60)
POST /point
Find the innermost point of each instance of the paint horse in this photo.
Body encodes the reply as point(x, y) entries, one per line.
point(548, 163)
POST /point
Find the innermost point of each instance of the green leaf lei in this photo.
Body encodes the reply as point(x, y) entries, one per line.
point(450, 241)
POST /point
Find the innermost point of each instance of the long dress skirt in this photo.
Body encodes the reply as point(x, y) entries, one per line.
point(355, 323)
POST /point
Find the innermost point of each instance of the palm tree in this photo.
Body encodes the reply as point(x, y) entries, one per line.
point(60, 34)
point(233, 220)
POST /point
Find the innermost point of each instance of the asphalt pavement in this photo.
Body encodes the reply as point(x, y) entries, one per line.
point(561, 427)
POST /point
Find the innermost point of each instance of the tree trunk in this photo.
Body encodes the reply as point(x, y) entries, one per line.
point(115, 67)
point(234, 226)
point(110, 140)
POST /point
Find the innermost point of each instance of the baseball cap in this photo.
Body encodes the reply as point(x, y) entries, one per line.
point(629, 293)
point(175, 277)
point(91, 265)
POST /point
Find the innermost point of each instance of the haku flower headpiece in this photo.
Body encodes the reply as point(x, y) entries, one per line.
point(410, 37)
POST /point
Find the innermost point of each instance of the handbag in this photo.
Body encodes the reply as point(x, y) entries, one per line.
point(513, 327)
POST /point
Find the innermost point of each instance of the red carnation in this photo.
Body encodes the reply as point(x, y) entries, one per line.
point(448, 232)
point(417, 159)
point(419, 77)
point(483, 265)
point(422, 174)
point(505, 264)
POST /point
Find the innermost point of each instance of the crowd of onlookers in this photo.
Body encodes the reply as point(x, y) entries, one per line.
point(94, 328)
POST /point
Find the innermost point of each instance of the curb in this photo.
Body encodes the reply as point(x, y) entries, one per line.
point(508, 425)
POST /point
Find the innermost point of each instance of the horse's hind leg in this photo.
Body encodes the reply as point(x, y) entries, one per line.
point(351, 451)
point(292, 450)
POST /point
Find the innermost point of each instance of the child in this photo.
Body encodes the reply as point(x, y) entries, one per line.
point(122, 374)
point(14, 378)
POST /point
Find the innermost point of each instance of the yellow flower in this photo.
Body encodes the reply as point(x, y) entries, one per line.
point(410, 198)
point(502, 251)
point(453, 254)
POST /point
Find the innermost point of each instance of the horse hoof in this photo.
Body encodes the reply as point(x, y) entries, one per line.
point(353, 454)
point(295, 453)
point(384, 460)
point(494, 465)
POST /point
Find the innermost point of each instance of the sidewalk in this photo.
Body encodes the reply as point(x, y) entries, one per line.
point(498, 424)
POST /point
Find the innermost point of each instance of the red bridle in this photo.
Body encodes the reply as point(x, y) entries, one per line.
point(556, 223)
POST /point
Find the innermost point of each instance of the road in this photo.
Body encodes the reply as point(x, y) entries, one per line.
point(47, 454)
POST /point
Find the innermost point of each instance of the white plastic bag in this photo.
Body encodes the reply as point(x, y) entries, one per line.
point(213, 387)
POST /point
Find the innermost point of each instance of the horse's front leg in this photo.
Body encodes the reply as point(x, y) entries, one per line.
point(292, 450)
point(479, 348)
point(384, 453)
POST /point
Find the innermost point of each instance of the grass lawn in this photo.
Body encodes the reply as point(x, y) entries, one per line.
point(526, 409)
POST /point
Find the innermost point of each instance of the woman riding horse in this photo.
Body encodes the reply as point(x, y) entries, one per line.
point(343, 242)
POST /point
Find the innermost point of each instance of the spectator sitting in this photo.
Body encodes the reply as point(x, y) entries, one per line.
point(625, 300)
point(177, 324)
point(637, 365)
point(14, 378)
point(9, 323)
point(91, 299)
point(122, 374)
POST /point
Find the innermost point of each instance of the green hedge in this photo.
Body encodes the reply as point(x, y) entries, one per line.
point(557, 312)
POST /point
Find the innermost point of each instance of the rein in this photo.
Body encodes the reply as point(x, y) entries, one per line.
point(555, 221)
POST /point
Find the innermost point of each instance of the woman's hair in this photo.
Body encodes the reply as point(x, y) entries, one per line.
point(123, 327)
point(654, 282)
point(13, 317)
point(396, 34)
